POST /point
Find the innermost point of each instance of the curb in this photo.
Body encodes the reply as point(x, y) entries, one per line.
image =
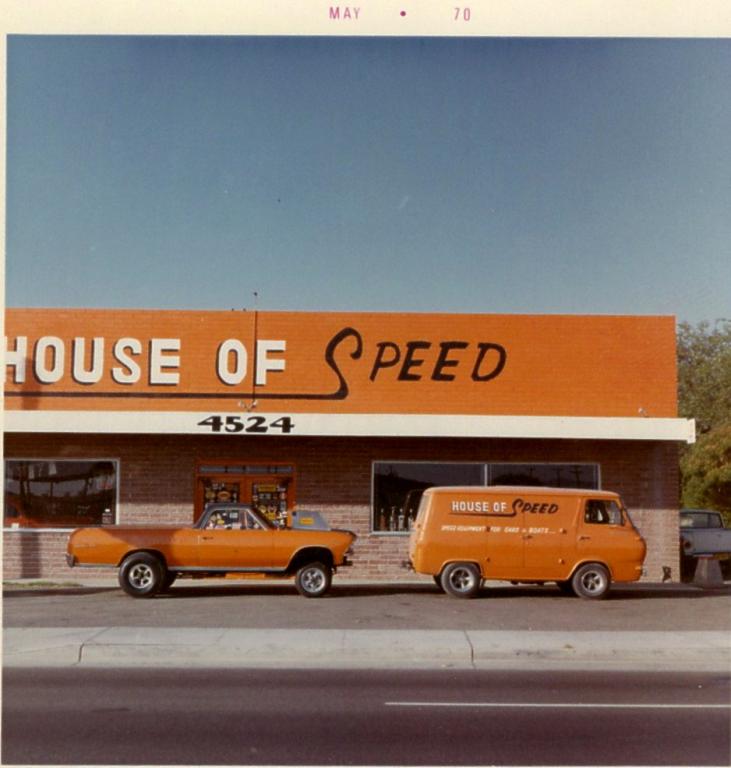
point(95, 647)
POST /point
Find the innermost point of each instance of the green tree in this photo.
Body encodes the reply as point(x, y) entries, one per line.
point(704, 394)
point(706, 471)
point(704, 373)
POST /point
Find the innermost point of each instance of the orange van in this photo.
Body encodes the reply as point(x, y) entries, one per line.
point(581, 539)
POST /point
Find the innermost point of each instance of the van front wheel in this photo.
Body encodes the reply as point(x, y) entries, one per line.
point(461, 579)
point(591, 581)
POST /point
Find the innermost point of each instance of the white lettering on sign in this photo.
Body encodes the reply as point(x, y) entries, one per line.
point(232, 350)
point(264, 363)
point(79, 371)
point(16, 357)
point(48, 368)
point(486, 507)
point(87, 360)
point(131, 372)
point(465, 528)
point(159, 361)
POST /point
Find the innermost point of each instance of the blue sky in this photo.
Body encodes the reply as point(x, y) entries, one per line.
point(428, 175)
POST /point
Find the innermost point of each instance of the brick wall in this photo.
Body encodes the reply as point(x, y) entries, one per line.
point(333, 475)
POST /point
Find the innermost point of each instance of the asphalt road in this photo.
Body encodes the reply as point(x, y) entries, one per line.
point(368, 718)
point(272, 606)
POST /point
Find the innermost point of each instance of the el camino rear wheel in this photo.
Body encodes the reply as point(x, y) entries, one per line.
point(313, 579)
point(591, 581)
point(461, 579)
point(141, 575)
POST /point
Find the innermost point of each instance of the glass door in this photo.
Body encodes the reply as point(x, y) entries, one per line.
point(269, 489)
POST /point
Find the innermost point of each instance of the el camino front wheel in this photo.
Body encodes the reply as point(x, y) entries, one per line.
point(141, 575)
point(313, 579)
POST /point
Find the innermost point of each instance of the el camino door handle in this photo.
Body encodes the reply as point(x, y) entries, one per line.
point(207, 538)
point(584, 538)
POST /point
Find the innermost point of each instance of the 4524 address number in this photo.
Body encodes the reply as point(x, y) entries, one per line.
point(259, 425)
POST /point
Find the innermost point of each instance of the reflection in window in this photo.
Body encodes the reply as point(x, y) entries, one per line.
point(60, 493)
point(545, 475)
point(398, 486)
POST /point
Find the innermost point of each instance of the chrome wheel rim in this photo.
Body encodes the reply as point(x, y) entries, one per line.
point(313, 580)
point(141, 576)
point(462, 579)
point(593, 582)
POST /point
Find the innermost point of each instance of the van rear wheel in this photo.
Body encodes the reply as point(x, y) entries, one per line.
point(591, 581)
point(461, 579)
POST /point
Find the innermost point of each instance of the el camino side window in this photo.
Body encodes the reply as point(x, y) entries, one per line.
point(252, 522)
point(60, 493)
point(224, 519)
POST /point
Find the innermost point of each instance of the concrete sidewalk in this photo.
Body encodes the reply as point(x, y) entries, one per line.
point(313, 648)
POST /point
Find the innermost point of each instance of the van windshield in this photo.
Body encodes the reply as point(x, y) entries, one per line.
point(627, 515)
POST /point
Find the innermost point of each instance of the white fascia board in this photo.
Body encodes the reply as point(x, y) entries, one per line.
point(352, 425)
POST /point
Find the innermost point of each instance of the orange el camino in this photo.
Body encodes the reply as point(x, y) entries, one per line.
point(227, 539)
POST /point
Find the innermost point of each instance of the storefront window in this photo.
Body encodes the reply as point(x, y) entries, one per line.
point(398, 486)
point(59, 493)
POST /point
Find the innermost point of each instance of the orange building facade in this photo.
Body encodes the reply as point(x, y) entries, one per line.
point(123, 416)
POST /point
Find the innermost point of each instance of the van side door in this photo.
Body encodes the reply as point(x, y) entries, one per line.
point(548, 534)
point(502, 551)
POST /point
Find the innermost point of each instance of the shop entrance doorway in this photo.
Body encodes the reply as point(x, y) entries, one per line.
point(268, 488)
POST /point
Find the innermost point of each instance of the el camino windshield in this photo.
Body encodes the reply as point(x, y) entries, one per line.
point(233, 518)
